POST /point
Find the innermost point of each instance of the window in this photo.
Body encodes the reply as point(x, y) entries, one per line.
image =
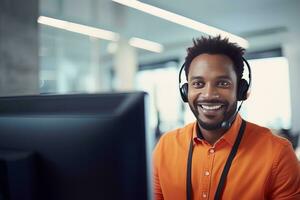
point(162, 86)
point(269, 103)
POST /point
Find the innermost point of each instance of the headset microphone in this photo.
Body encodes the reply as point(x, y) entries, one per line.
point(226, 124)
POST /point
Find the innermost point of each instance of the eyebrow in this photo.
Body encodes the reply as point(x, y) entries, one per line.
point(224, 77)
point(218, 77)
point(197, 78)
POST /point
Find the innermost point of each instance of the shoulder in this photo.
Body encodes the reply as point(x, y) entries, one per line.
point(275, 151)
point(261, 141)
point(174, 140)
point(263, 135)
point(178, 135)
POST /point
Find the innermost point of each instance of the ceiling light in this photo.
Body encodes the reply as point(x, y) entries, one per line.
point(184, 21)
point(146, 44)
point(78, 28)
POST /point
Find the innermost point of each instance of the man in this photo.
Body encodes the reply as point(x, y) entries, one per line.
point(220, 156)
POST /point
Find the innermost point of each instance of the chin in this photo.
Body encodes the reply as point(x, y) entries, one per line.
point(210, 126)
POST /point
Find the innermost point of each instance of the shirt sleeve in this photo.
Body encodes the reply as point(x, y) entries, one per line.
point(285, 179)
point(156, 182)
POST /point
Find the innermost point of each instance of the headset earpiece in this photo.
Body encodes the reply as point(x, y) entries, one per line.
point(242, 93)
point(184, 88)
point(184, 92)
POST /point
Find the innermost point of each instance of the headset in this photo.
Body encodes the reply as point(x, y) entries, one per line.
point(242, 92)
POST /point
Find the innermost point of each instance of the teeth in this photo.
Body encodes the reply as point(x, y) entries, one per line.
point(211, 107)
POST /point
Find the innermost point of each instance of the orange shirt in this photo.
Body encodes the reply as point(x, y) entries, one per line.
point(265, 166)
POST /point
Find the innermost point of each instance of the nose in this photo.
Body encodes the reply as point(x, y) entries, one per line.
point(209, 92)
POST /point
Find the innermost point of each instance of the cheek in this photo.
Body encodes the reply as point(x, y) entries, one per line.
point(192, 95)
point(231, 94)
point(231, 97)
point(190, 98)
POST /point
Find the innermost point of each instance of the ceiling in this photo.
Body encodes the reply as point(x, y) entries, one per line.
point(248, 19)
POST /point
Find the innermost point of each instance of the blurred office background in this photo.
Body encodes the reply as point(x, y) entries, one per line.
point(92, 46)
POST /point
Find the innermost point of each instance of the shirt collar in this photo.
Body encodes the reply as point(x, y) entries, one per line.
point(229, 136)
point(197, 135)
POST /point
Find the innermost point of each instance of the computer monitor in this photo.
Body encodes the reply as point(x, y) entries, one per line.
point(83, 146)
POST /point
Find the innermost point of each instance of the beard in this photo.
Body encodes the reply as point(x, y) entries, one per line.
point(218, 125)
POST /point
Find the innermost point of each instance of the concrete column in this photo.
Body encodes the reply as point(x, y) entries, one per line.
point(63, 83)
point(97, 72)
point(125, 66)
point(19, 65)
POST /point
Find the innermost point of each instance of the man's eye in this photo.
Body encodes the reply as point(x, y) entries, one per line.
point(224, 83)
point(197, 84)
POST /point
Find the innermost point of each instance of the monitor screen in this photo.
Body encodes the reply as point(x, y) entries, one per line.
point(82, 146)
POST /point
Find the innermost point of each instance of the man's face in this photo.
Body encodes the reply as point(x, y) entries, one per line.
point(212, 89)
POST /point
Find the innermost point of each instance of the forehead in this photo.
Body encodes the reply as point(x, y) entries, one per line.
point(210, 65)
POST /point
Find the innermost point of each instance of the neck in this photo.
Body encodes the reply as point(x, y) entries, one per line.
point(212, 136)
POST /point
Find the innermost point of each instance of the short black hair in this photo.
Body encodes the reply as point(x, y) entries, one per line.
point(216, 45)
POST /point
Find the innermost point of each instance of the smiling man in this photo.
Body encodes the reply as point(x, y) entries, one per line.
point(221, 156)
point(212, 92)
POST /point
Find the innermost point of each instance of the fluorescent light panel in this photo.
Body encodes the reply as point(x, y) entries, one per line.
point(78, 28)
point(184, 21)
point(99, 33)
point(146, 44)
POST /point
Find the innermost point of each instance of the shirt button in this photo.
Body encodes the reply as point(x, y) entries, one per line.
point(204, 195)
point(211, 151)
point(206, 173)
